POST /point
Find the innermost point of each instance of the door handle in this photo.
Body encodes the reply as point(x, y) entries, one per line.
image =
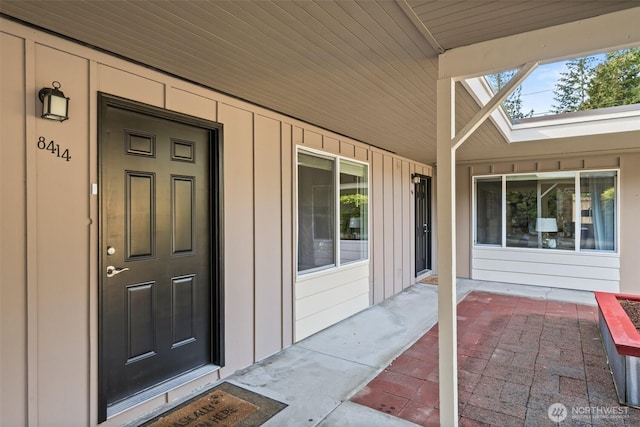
point(112, 271)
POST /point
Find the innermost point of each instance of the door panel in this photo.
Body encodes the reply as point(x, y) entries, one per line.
point(183, 214)
point(140, 321)
point(183, 305)
point(160, 300)
point(140, 214)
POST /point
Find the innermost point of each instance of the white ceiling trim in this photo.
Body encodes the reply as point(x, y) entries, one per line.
point(545, 45)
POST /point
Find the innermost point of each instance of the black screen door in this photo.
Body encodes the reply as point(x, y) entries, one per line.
point(423, 224)
point(159, 275)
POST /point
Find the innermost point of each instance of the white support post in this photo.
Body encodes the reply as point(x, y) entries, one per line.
point(447, 144)
point(446, 209)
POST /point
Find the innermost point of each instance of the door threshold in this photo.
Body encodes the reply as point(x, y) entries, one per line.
point(164, 387)
point(423, 274)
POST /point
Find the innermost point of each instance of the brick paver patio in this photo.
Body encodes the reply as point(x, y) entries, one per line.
point(516, 357)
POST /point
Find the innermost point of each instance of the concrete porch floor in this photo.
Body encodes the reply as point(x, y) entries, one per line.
point(386, 354)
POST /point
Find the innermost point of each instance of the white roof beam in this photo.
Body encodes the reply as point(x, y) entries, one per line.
point(606, 32)
point(411, 14)
point(493, 103)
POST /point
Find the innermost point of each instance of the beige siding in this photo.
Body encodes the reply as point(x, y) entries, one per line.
point(268, 240)
point(408, 226)
point(629, 229)
point(49, 228)
point(388, 227)
point(322, 299)
point(116, 81)
point(570, 270)
point(61, 238)
point(312, 139)
point(288, 245)
point(377, 226)
point(198, 105)
point(331, 145)
point(239, 236)
point(13, 298)
point(463, 221)
point(393, 224)
point(396, 220)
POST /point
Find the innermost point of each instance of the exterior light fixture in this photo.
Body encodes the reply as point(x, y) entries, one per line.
point(55, 106)
point(415, 179)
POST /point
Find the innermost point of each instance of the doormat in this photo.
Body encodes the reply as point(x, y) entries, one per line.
point(225, 405)
point(430, 280)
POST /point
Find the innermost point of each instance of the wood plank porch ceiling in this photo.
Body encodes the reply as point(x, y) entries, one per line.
point(365, 69)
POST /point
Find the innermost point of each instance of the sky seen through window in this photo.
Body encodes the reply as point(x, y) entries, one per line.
point(541, 93)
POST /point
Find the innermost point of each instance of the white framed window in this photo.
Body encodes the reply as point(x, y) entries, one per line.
point(570, 211)
point(332, 211)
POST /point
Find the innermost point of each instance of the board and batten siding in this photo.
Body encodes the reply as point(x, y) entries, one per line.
point(584, 270)
point(392, 224)
point(49, 228)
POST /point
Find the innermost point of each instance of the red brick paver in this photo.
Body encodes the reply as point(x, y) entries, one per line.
point(516, 357)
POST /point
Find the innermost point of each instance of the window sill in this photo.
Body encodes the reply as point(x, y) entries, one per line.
point(584, 252)
point(302, 277)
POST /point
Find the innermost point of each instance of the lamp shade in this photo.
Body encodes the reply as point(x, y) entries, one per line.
point(55, 106)
point(546, 225)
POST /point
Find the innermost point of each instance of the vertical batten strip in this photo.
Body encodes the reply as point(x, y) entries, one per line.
point(397, 226)
point(377, 226)
point(288, 267)
point(268, 236)
point(31, 231)
point(13, 217)
point(93, 243)
point(406, 224)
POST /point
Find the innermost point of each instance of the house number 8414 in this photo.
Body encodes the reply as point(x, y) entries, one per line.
point(54, 148)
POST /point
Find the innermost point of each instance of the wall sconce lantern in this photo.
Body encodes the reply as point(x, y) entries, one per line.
point(416, 179)
point(55, 106)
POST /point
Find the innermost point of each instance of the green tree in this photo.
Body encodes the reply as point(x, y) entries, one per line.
point(616, 81)
point(570, 92)
point(513, 104)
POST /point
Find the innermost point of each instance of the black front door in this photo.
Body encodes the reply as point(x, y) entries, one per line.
point(423, 224)
point(159, 293)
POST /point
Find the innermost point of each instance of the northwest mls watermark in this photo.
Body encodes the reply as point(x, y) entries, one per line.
point(559, 412)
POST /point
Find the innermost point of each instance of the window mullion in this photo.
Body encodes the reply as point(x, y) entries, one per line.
point(504, 210)
point(539, 209)
point(578, 214)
